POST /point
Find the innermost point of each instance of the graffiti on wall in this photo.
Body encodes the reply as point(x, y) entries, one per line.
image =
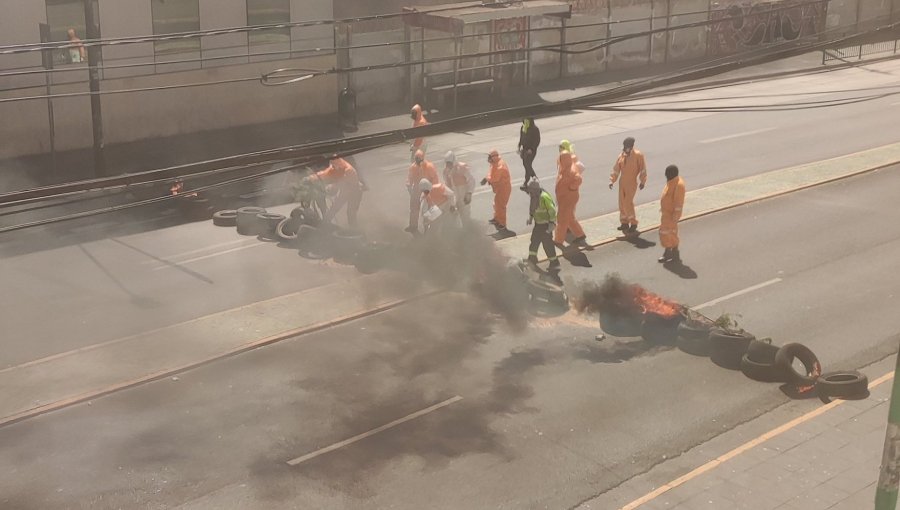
point(511, 34)
point(746, 26)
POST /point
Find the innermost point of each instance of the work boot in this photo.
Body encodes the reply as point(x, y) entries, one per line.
point(623, 227)
point(524, 187)
point(666, 256)
point(581, 242)
point(554, 265)
point(532, 262)
point(492, 221)
point(675, 256)
point(633, 228)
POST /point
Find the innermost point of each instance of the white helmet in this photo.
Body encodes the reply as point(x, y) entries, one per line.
point(425, 185)
point(450, 158)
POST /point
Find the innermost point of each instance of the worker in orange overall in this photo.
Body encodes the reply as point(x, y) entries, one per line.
point(418, 170)
point(629, 167)
point(671, 205)
point(459, 178)
point(499, 179)
point(419, 120)
point(568, 184)
point(342, 178)
point(438, 207)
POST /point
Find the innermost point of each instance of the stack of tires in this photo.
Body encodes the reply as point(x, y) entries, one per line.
point(762, 361)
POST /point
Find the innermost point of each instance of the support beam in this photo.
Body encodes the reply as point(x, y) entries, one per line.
point(93, 34)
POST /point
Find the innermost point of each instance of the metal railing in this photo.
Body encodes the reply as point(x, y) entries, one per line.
point(860, 50)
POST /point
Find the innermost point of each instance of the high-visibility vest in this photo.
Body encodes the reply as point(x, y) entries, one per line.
point(546, 209)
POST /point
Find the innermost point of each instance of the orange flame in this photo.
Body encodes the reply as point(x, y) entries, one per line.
point(651, 303)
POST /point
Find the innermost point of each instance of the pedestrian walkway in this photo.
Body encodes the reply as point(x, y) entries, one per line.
point(827, 458)
point(602, 229)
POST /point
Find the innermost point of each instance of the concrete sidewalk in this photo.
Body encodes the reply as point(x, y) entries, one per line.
point(602, 229)
point(810, 457)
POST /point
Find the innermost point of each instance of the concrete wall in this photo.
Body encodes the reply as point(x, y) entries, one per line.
point(383, 85)
point(545, 64)
point(149, 114)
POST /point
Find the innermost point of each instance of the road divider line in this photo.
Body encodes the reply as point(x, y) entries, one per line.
point(650, 496)
point(211, 255)
point(736, 294)
point(360, 437)
point(737, 135)
point(192, 252)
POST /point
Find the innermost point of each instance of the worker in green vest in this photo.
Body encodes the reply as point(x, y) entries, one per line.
point(542, 212)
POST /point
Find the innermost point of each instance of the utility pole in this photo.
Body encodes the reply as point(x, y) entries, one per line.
point(93, 51)
point(889, 479)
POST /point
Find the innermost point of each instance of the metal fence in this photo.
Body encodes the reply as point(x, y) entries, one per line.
point(860, 50)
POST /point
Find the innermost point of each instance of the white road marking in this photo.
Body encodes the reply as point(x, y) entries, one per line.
point(211, 255)
point(737, 135)
point(736, 294)
point(198, 250)
point(372, 432)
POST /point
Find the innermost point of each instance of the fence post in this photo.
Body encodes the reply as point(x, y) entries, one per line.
point(886, 491)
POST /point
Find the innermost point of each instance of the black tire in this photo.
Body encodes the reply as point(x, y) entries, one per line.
point(347, 244)
point(660, 330)
point(287, 229)
point(847, 384)
point(784, 360)
point(545, 291)
point(226, 218)
point(760, 371)
point(195, 208)
point(247, 222)
point(625, 325)
point(268, 222)
point(726, 349)
point(761, 351)
point(693, 338)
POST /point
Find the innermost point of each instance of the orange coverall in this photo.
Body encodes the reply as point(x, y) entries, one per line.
point(500, 181)
point(627, 170)
point(340, 173)
point(416, 173)
point(568, 182)
point(671, 204)
point(419, 121)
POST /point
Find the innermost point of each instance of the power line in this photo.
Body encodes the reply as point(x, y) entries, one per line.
point(298, 74)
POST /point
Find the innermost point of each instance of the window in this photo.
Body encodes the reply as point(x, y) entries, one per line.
point(174, 16)
point(267, 12)
point(65, 15)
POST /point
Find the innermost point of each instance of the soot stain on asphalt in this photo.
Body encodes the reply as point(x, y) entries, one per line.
point(617, 351)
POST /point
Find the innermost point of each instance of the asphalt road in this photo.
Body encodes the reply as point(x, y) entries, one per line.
point(88, 281)
point(548, 417)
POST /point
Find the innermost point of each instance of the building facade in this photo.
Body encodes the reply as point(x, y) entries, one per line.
point(159, 88)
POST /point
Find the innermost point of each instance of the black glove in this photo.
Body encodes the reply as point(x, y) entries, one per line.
point(641, 186)
point(484, 181)
point(551, 227)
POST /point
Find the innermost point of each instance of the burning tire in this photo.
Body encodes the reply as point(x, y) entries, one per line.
point(693, 338)
point(726, 349)
point(346, 244)
point(660, 330)
point(847, 384)
point(541, 292)
point(267, 223)
point(784, 361)
point(287, 229)
point(227, 218)
point(247, 222)
point(621, 325)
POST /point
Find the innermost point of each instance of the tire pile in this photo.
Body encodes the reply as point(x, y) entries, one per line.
point(304, 230)
point(762, 361)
